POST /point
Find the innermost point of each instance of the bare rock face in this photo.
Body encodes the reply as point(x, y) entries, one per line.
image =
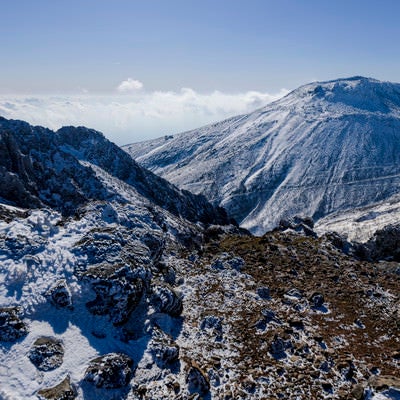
point(385, 244)
point(12, 327)
point(165, 300)
point(60, 295)
point(111, 371)
point(63, 391)
point(46, 353)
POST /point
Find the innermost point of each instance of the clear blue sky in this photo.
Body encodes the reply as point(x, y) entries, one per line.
point(137, 69)
point(61, 46)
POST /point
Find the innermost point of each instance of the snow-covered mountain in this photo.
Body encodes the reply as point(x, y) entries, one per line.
point(68, 168)
point(323, 148)
point(116, 285)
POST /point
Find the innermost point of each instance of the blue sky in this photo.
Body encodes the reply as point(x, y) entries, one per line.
point(64, 48)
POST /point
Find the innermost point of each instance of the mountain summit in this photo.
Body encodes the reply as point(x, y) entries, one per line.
point(323, 148)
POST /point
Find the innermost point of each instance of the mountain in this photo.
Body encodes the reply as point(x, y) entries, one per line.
point(116, 285)
point(68, 168)
point(324, 148)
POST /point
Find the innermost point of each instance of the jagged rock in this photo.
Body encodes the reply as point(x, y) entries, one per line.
point(317, 300)
point(60, 295)
point(111, 371)
point(338, 241)
point(165, 300)
point(197, 381)
point(163, 348)
point(118, 291)
point(12, 327)
point(63, 391)
point(297, 223)
point(46, 353)
point(385, 244)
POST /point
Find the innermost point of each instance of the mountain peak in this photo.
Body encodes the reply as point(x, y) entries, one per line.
point(357, 92)
point(323, 148)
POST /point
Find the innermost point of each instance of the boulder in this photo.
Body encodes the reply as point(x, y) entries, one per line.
point(118, 291)
point(111, 371)
point(12, 327)
point(46, 353)
point(63, 391)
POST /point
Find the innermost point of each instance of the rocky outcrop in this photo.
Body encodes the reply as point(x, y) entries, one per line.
point(111, 371)
point(12, 327)
point(46, 353)
point(118, 291)
point(39, 168)
point(65, 390)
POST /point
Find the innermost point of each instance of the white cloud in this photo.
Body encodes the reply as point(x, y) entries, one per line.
point(126, 119)
point(129, 85)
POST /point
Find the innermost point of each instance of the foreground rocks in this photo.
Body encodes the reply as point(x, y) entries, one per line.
point(63, 391)
point(111, 371)
point(46, 353)
point(12, 327)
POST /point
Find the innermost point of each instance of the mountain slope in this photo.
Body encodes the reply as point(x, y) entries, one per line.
point(323, 148)
point(41, 168)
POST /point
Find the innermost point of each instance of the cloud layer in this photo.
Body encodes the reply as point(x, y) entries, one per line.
point(134, 117)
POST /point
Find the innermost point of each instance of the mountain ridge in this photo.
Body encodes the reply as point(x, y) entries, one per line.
point(329, 138)
point(39, 167)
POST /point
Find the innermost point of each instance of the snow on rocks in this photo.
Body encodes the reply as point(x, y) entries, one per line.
point(110, 371)
point(12, 327)
point(118, 291)
point(65, 390)
point(165, 300)
point(60, 295)
point(46, 353)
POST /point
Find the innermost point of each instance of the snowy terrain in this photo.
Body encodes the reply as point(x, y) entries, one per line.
point(324, 148)
point(361, 223)
point(116, 285)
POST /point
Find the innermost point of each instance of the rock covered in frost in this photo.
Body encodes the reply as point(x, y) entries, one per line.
point(165, 300)
point(12, 327)
point(60, 295)
point(65, 390)
point(111, 371)
point(118, 291)
point(46, 353)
